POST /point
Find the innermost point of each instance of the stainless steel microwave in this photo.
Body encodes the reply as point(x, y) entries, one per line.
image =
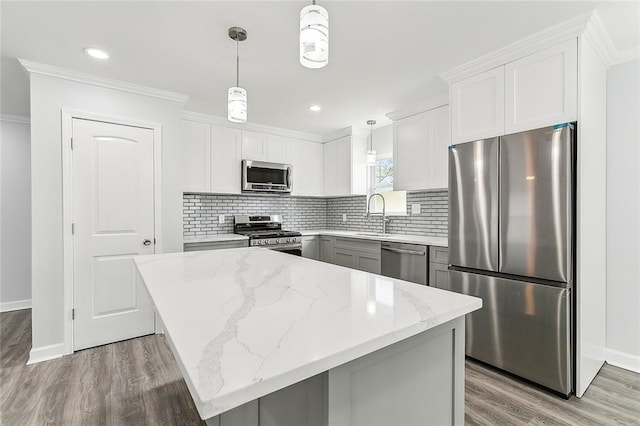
point(260, 176)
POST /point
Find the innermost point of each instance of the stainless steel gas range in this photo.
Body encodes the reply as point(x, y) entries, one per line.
point(266, 231)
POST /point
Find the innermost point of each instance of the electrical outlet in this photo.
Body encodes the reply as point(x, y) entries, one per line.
point(220, 218)
point(415, 208)
point(344, 217)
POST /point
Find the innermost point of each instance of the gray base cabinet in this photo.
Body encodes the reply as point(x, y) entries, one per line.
point(439, 267)
point(326, 249)
point(311, 247)
point(363, 255)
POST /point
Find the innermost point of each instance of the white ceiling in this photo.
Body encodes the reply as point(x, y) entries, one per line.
point(383, 55)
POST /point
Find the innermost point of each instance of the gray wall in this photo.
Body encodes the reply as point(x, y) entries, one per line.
point(201, 213)
point(15, 215)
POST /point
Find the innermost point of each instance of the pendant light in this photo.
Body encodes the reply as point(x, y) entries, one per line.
point(237, 96)
point(314, 36)
point(371, 153)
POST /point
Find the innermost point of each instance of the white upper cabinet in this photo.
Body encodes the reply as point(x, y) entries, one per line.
point(420, 150)
point(264, 147)
point(337, 166)
point(410, 150)
point(535, 91)
point(308, 171)
point(541, 89)
point(254, 146)
point(277, 149)
point(211, 158)
point(344, 165)
point(477, 106)
point(226, 156)
point(196, 156)
point(439, 141)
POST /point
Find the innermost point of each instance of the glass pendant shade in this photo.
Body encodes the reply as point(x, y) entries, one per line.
point(237, 105)
point(371, 157)
point(314, 36)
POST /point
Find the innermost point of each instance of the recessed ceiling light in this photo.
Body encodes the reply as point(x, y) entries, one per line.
point(96, 53)
point(315, 108)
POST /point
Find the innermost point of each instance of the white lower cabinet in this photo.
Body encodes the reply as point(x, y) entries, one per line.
point(420, 150)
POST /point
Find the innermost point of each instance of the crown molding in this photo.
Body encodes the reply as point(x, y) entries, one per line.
point(426, 105)
point(596, 34)
point(15, 118)
point(551, 36)
point(95, 80)
point(347, 131)
point(253, 127)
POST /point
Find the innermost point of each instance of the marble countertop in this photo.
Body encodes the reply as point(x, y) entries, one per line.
point(398, 238)
point(245, 322)
point(214, 238)
point(366, 235)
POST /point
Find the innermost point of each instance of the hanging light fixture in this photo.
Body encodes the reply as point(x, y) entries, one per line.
point(237, 97)
point(371, 153)
point(314, 36)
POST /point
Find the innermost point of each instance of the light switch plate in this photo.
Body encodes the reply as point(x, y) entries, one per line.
point(415, 208)
point(220, 218)
point(344, 217)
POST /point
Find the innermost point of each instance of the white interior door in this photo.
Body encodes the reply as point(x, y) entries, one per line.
point(113, 219)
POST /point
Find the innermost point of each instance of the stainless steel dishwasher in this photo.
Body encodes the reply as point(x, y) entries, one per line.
point(405, 261)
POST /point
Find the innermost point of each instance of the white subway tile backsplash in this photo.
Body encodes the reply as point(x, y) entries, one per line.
point(201, 213)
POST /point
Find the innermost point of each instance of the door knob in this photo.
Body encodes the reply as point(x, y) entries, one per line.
point(147, 242)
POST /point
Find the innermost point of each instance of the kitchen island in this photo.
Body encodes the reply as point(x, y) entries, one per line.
point(267, 338)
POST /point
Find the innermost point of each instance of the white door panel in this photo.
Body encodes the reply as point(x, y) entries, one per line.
point(113, 216)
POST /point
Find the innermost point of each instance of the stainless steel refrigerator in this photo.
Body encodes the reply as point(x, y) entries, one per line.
point(511, 243)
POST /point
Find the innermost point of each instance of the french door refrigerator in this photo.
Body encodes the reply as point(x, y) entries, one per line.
point(511, 243)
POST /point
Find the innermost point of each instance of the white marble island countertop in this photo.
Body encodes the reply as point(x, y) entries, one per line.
point(246, 322)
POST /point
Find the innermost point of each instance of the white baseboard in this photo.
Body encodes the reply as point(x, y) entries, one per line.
point(15, 305)
point(623, 360)
point(45, 353)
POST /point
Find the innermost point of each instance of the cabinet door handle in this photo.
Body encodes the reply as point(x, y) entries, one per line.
point(147, 242)
point(404, 251)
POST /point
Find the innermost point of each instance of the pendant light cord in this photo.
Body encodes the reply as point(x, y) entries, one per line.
point(237, 64)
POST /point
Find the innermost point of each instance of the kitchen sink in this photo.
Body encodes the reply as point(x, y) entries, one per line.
point(371, 234)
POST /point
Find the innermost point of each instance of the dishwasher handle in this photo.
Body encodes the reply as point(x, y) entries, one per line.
point(403, 251)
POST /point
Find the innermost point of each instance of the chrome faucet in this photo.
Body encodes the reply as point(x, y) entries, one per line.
point(385, 219)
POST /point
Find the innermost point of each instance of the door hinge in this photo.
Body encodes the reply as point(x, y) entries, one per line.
point(73, 228)
point(73, 313)
point(72, 144)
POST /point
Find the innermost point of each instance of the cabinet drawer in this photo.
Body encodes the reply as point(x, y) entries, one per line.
point(439, 255)
point(356, 244)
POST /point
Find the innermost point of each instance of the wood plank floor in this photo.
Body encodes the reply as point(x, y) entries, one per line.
point(137, 382)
